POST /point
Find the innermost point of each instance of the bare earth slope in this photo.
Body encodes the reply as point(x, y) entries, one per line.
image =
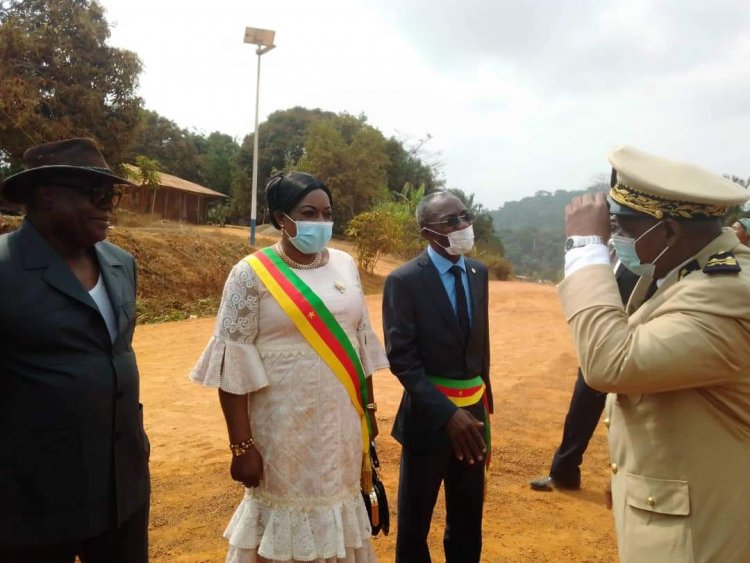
point(533, 372)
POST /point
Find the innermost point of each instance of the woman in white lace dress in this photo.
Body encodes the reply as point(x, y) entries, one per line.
point(302, 466)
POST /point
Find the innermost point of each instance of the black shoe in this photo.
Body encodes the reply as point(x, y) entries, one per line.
point(548, 484)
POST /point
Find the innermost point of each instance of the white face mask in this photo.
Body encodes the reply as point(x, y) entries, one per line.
point(459, 242)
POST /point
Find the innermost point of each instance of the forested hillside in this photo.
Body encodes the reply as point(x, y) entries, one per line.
point(533, 232)
point(532, 229)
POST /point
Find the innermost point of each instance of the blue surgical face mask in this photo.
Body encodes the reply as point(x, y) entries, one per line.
point(312, 236)
point(626, 253)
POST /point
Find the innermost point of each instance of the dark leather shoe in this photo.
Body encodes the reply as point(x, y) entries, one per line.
point(548, 484)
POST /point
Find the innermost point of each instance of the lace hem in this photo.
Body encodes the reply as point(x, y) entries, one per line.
point(283, 533)
point(364, 554)
point(233, 367)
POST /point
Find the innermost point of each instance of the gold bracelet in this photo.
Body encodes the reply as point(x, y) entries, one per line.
point(372, 407)
point(242, 447)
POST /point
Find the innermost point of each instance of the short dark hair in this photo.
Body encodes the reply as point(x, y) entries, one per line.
point(286, 189)
point(424, 205)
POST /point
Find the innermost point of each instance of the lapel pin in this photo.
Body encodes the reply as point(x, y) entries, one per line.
point(340, 286)
point(473, 271)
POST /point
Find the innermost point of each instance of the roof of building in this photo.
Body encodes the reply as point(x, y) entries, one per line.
point(169, 181)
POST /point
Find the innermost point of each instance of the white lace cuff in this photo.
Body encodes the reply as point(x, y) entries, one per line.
point(371, 351)
point(233, 367)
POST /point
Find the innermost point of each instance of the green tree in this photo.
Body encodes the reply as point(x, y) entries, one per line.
point(59, 78)
point(163, 140)
point(402, 205)
point(405, 166)
point(147, 176)
point(216, 161)
point(281, 143)
point(349, 156)
point(485, 237)
point(390, 227)
point(374, 233)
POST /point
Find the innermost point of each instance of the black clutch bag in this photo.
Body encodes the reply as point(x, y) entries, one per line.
point(375, 500)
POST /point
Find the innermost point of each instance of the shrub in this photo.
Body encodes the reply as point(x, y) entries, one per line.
point(373, 233)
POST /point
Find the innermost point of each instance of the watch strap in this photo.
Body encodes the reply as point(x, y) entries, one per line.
point(577, 241)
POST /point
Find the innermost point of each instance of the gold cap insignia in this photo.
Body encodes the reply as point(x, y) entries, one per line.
point(658, 207)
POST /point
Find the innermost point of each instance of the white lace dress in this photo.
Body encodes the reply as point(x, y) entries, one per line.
point(308, 506)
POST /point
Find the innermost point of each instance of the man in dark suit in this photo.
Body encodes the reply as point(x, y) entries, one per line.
point(74, 475)
point(586, 406)
point(437, 338)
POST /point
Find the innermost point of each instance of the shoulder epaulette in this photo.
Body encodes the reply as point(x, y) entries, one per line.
point(688, 268)
point(722, 262)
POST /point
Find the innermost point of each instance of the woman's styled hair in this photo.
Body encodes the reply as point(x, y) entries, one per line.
point(286, 189)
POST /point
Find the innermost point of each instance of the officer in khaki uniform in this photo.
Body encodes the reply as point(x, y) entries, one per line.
point(676, 360)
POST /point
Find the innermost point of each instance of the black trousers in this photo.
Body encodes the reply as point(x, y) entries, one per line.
point(586, 406)
point(126, 544)
point(419, 483)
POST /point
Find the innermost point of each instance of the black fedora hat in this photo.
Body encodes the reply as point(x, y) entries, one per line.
point(52, 160)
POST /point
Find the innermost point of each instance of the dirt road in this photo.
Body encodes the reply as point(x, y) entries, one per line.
point(533, 371)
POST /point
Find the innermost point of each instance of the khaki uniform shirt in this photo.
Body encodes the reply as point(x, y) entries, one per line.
point(678, 374)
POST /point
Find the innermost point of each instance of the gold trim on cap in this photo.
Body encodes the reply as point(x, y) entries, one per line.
point(658, 207)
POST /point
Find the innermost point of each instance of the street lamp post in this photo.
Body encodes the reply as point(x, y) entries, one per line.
point(263, 38)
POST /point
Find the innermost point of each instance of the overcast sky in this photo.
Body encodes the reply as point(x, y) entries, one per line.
point(517, 96)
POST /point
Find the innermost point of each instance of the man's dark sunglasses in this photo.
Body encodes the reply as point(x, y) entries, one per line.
point(455, 219)
point(101, 194)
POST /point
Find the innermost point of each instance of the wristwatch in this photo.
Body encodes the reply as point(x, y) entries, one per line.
point(575, 241)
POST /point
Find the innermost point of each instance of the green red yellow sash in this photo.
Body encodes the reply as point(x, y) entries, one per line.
point(463, 393)
point(321, 330)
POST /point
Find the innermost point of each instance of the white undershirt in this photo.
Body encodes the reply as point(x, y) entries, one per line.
point(588, 255)
point(99, 294)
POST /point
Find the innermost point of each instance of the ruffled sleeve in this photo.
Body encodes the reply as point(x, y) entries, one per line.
point(231, 361)
point(371, 351)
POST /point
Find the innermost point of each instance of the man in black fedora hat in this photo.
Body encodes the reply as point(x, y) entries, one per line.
point(74, 475)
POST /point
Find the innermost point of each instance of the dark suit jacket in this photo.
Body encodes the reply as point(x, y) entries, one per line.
point(423, 337)
point(73, 453)
point(626, 281)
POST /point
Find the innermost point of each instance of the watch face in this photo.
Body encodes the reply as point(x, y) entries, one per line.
point(569, 242)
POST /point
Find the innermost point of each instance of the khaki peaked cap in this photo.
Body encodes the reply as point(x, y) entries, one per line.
point(646, 184)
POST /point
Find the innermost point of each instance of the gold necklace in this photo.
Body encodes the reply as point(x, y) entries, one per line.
point(296, 265)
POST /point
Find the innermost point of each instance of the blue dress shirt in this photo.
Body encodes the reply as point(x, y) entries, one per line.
point(443, 266)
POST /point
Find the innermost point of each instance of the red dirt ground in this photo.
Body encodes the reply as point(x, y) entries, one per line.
point(533, 372)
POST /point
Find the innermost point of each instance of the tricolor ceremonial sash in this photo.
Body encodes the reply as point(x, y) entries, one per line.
point(464, 393)
point(322, 332)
